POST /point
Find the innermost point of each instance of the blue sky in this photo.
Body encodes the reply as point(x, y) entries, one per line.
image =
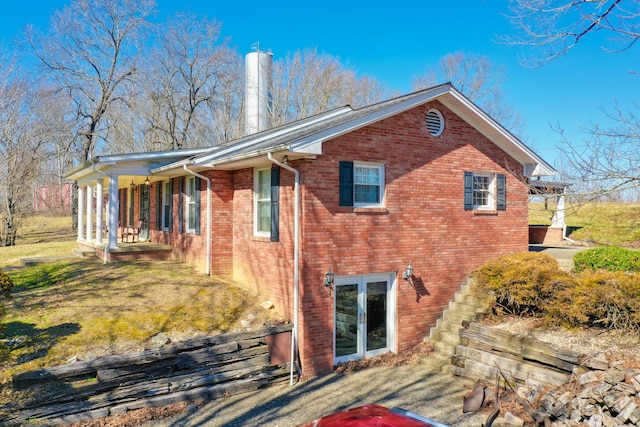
point(394, 42)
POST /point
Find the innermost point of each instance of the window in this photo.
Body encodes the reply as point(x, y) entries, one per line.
point(484, 191)
point(191, 204)
point(263, 202)
point(361, 184)
point(266, 203)
point(166, 205)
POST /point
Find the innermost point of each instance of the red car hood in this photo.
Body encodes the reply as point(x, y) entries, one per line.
point(373, 416)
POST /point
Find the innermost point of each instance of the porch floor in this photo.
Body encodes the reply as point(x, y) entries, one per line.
point(126, 250)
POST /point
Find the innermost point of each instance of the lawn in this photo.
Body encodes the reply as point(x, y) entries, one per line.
point(80, 308)
point(596, 223)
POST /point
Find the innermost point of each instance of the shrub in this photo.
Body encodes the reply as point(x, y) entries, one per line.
point(519, 284)
point(6, 285)
point(601, 298)
point(610, 258)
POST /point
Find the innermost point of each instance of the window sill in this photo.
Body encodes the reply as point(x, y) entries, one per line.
point(487, 212)
point(373, 211)
point(265, 239)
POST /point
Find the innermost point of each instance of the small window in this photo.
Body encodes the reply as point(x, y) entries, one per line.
point(435, 122)
point(191, 204)
point(368, 184)
point(361, 184)
point(485, 191)
point(262, 209)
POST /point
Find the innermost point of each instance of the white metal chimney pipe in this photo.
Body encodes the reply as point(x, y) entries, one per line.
point(258, 82)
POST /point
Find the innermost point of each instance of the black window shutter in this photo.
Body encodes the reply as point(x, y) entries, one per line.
point(468, 191)
point(181, 205)
point(346, 183)
point(275, 203)
point(197, 180)
point(501, 204)
point(159, 205)
point(170, 205)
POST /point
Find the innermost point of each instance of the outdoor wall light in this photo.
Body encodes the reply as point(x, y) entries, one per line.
point(328, 280)
point(147, 182)
point(132, 185)
point(407, 274)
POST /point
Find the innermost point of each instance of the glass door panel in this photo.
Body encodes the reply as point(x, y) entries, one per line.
point(376, 317)
point(346, 321)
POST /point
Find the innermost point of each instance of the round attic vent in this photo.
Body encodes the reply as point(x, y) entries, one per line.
point(435, 122)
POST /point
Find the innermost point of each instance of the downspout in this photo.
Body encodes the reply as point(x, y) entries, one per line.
point(296, 260)
point(105, 252)
point(208, 268)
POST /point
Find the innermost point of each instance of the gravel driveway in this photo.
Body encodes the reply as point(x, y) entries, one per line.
point(421, 389)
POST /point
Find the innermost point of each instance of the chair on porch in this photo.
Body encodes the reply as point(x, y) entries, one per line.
point(132, 231)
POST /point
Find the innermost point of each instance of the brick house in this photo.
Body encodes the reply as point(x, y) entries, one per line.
point(427, 181)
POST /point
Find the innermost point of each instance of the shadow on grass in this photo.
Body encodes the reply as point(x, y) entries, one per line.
point(45, 338)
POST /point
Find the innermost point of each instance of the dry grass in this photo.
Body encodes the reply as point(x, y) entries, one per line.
point(81, 308)
point(600, 223)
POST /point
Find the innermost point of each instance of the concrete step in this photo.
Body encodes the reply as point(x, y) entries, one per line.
point(462, 307)
point(83, 253)
point(26, 262)
point(456, 317)
point(444, 348)
point(446, 325)
point(452, 338)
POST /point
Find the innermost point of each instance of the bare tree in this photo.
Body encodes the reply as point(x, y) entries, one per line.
point(554, 27)
point(89, 52)
point(607, 162)
point(478, 79)
point(308, 83)
point(186, 73)
point(21, 142)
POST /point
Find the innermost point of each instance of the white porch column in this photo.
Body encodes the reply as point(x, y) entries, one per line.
point(113, 212)
point(80, 213)
point(99, 208)
point(89, 196)
point(558, 217)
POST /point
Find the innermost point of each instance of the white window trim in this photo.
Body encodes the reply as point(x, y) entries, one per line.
point(166, 200)
point(380, 167)
point(491, 206)
point(256, 232)
point(190, 182)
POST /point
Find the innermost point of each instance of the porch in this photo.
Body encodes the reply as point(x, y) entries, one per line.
point(140, 250)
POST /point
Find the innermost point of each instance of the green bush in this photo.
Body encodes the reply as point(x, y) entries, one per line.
point(519, 284)
point(610, 258)
point(6, 285)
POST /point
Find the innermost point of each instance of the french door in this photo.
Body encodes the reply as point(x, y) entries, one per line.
point(364, 324)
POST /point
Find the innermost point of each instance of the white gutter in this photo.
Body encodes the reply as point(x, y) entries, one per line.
point(208, 268)
point(296, 260)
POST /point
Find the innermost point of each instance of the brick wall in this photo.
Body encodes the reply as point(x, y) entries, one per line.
point(424, 222)
point(191, 247)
